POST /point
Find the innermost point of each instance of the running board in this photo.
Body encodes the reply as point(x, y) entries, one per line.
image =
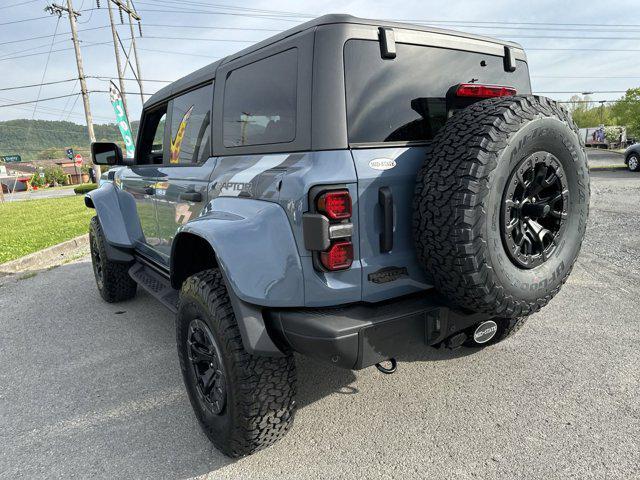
point(156, 284)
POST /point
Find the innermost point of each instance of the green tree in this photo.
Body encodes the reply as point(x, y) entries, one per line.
point(587, 113)
point(37, 180)
point(627, 112)
point(54, 175)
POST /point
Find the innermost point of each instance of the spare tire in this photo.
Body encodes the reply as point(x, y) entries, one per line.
point(501, 205)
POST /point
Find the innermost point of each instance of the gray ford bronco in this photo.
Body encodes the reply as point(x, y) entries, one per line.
point(342, 190)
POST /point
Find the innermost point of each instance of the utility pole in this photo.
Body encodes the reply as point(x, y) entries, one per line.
point(114, 33)
point(133, 14)
point(57, 10)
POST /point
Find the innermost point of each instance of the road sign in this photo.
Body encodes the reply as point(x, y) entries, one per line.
point(69, 153)
point(11, 158)
point(78, 160)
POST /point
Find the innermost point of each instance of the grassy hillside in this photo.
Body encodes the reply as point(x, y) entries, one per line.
point(39, 139)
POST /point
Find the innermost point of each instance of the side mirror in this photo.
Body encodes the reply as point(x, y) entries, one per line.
point(106, 153)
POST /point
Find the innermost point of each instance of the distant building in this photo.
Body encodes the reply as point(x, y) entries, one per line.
point(24, 169)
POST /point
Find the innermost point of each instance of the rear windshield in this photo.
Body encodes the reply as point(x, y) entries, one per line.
point(403, 99)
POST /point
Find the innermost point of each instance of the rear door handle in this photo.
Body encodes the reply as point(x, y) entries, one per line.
point(385, 199)
point(191, 196)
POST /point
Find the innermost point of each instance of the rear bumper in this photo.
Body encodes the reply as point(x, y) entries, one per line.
point(360, 335)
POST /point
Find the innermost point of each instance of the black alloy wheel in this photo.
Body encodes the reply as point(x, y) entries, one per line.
point(534, 210)
point(207, 365)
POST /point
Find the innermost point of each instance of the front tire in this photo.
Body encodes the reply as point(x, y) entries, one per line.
point(633, 163)
point(243, 402)
point(112, 278)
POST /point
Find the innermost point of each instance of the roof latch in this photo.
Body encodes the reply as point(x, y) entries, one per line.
point(387, 42)
point(509, 61)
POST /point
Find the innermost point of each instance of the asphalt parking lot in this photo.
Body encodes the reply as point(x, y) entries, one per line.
point(90, 389)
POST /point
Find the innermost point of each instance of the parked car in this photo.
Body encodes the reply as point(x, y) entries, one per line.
point(342, 190)
point(632, 157)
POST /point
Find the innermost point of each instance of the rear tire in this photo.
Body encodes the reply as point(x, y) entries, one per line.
point(633, 163)
point(112, 278)
point(501, 205)
point(243, 402)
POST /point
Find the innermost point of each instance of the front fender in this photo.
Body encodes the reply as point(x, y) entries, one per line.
point(116, 210)
point(255, 247)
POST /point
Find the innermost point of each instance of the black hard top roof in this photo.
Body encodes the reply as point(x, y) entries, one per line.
point(208, 72)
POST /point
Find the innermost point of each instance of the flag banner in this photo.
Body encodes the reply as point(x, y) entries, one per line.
point(122, 120)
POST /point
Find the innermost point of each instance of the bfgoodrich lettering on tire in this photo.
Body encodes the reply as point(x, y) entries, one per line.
point(501, 205)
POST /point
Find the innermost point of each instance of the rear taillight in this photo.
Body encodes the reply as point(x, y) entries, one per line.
point(335, 204)
point(328, 228)
point(338, 257)
point(483, 91)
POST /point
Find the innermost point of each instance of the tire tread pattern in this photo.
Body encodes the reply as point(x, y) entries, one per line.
point(449, 210)
point(117, 284)
point(264, 386)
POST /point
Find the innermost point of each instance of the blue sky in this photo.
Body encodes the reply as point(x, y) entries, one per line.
point(165, 58)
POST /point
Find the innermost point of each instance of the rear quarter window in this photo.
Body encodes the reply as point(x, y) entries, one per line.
point(260, 102)
point(404, 99)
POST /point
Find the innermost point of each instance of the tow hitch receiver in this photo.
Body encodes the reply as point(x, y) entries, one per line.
point(389, 370)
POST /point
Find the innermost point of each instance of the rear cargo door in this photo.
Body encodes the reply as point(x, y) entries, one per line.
point(395, 106)
point(386, 180)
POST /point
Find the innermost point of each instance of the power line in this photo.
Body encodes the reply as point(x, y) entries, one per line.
point(200, 39)
point(286, 15)
point(246, 29)
point(132, 79)
point(599, 101)
point(51, 110)
point(169, 3)
point(179, 53)
point(584, 91)
point(23, 20)
point(268, 17)
point(542, 37)
point(583, 49)
point(49, 36)
point(18, 4)
point(58, 50)
point(34, 101)
point(37, 84)
point(586, 76)
point(44, 74)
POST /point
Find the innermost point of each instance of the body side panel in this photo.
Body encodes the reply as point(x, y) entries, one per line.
point(254, 247)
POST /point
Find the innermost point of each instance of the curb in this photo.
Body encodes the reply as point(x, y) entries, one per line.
point(48, 257)
point(596, 168)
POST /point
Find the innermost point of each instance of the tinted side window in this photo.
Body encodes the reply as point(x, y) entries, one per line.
point(152, 142)
point(190, 140)
point(260, 102)
point(404, 99)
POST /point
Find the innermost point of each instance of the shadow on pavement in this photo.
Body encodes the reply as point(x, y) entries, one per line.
point(96, 389)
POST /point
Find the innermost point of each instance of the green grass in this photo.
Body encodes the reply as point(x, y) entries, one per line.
point(31, 225)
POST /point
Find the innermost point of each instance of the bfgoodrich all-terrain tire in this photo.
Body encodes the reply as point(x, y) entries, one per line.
point(243, 402)
point(501, 205)
point(112, 278)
